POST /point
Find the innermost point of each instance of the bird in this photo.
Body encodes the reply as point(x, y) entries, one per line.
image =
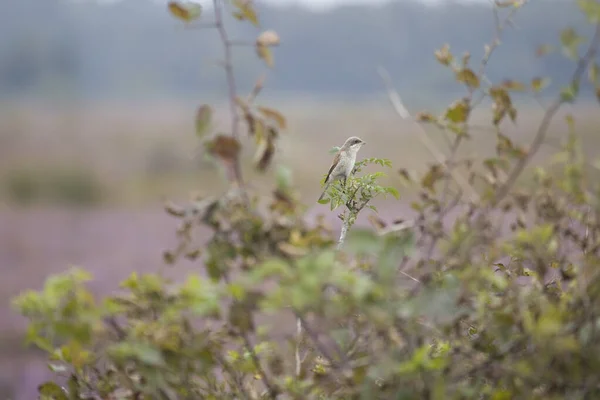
point(343, 162)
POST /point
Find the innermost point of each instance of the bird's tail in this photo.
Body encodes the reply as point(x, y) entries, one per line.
point(324, 191)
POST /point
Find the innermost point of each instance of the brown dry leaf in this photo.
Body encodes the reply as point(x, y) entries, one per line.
point(424, 116)
point(187, 11)
point(377, 222)
point(268, 38)
point(265, 53)
point(274, 115)
point(224, 146)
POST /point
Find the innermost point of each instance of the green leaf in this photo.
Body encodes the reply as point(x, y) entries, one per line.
point(203, 119)
point(591, 8)
point(395, 248)
point(568, 94)
point(363, 241)
point(570, 41)
point(393, 191)
point(51, 390)
point(334, 149)
point(458, 112)
point(284, 177)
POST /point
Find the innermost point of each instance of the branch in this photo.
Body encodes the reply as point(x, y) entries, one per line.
point(272, 391)
point(298, 339)
point(322, 349)
point(231, 85)
point(394, 98)
point(344, 231)
point(489, 50)
point(542, 130)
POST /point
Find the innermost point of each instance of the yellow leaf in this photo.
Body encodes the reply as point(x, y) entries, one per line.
point(268, 38)
point(274, 115)
point(203, 119)
point(510, 84)
point(265, 53)
point(434, 174)
point(458, 112)
point(264, 154)
point(245, 11)
point(187, 11)
point(468, 77)
point(537, 84)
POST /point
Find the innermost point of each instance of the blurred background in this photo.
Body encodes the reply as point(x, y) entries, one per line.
point(97, 103)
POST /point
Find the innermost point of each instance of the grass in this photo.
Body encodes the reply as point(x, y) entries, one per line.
point(135, 155)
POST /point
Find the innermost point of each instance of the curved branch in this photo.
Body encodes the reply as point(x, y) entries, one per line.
point(542, 130)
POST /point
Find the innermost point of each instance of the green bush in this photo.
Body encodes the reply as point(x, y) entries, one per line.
point(428, 308)
point(52, 185)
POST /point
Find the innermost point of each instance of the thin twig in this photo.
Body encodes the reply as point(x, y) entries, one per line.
point(263, 376)
point(322, 349)
point(394, 98)
point(231, 85)
point(298, 341)
point(547, 119)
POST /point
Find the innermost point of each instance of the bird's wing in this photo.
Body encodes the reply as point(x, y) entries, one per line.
point(335, 162)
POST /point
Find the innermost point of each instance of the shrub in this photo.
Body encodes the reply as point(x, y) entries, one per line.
point(498, 302)
point(54, 185)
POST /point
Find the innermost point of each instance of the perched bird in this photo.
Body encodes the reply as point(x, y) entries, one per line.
point(343, 162)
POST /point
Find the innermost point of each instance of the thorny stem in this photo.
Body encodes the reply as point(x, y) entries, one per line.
point(547, 119)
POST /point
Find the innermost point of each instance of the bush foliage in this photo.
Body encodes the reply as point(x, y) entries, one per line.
point(498, 302)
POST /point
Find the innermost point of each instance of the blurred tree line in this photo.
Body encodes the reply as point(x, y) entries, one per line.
point(132, 48)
